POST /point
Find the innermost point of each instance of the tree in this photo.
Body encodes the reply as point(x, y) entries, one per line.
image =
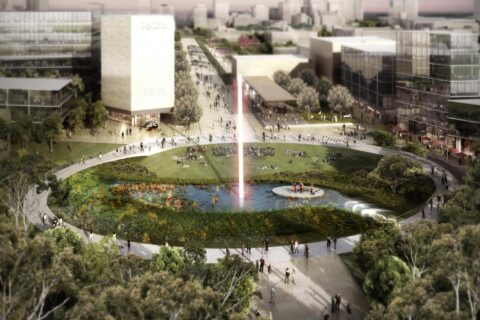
point(462, 207)
point(77, 85)
point(4, 129)
point(76, 116)
point(65, 238)
point(340, 100)
point(296, 86)
point(12, 196)
point(168, 259)
point(187, 111)
point(323, 87)
point(386, 279)
point(307, 99)
point(52, 127)
point(376, 244)
point(282, 79)
point(181, 62)
point(21, 131)
point(416, 245)
point(97, 114)
point(473, 176)
point(309, 77)
point(395, 171)
point(324, 32)
point(384, 139)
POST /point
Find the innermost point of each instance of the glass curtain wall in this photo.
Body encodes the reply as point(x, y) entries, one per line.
point(48, 44)
point(370, 77)
point(432, 67)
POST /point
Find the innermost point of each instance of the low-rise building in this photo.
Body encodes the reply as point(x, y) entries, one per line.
point(36, 98)
point(326, 52)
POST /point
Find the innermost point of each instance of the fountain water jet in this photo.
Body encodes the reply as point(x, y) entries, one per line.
point(240, 140)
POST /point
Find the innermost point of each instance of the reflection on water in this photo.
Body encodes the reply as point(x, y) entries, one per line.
point(259, 197)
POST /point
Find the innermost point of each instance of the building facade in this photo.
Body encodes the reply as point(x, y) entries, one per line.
point(368, 72)
point(200, 16)
point(50, 44)
point(260, 12)
point(138, 63)
point(36, 98)
point(434, 67)
point(221, 10)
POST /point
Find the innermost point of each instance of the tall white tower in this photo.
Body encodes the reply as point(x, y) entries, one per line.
point(221, 9)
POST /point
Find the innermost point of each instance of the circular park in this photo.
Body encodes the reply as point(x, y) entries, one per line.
point(293, 192)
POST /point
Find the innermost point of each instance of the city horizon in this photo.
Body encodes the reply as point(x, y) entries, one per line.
point(185, 6)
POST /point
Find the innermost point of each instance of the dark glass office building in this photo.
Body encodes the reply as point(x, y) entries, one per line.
point(368, 71)
point(50, 45)
point(434, 67)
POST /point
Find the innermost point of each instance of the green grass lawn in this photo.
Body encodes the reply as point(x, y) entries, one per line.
point(223, 168)
point(62, 155)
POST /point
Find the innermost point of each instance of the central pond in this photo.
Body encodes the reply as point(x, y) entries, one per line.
point(259, 197)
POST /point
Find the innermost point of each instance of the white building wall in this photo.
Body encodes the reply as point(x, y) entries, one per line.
point(221, 9)
point(260, 12)
point(116, 66)
point(138, 62)
point(265, 65)
point(200, 16)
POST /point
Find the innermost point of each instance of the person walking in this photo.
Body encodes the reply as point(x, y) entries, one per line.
point(328, 243)
point(269, 268)
point(296, 247)
point(335, 243)
point(338, 301)
point(266, 245)
point(128, 244)
point(287, 276)
point(262, 264)
point(272, 295)
point(291, 247)
point(423, 213)
point(293, 276)
point(307, 251)
point(256, 265)
point(333, 304)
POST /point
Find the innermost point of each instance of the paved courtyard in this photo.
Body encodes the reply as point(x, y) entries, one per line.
point(316, 281)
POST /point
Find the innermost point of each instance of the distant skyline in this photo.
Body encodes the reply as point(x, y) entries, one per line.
point(187, 5)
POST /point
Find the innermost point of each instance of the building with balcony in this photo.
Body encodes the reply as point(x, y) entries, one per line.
point(50, 44)
point(34, 97)
point(368, 71)
point(434, 67)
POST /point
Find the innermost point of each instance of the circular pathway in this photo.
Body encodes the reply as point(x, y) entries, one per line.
point(276, 254)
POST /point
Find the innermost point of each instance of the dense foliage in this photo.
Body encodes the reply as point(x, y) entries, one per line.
point(55, 275)
point(383, 139)
point(442, 279)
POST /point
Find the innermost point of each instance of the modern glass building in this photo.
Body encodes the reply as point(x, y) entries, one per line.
point(50, 44)
point(434, 67)
point(368, 71)
point(34, 97)
point(464, 120)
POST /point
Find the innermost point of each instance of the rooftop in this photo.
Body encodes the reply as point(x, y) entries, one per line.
point(38, 84)
point(268, 89)
point(473, 102)
point(342, 40)
point(387, 46)
point(256, 57)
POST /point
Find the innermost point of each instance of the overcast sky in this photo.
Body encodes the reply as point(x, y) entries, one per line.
point(187, 5)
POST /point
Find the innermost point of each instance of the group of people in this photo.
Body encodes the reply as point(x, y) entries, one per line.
point(294, 249)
